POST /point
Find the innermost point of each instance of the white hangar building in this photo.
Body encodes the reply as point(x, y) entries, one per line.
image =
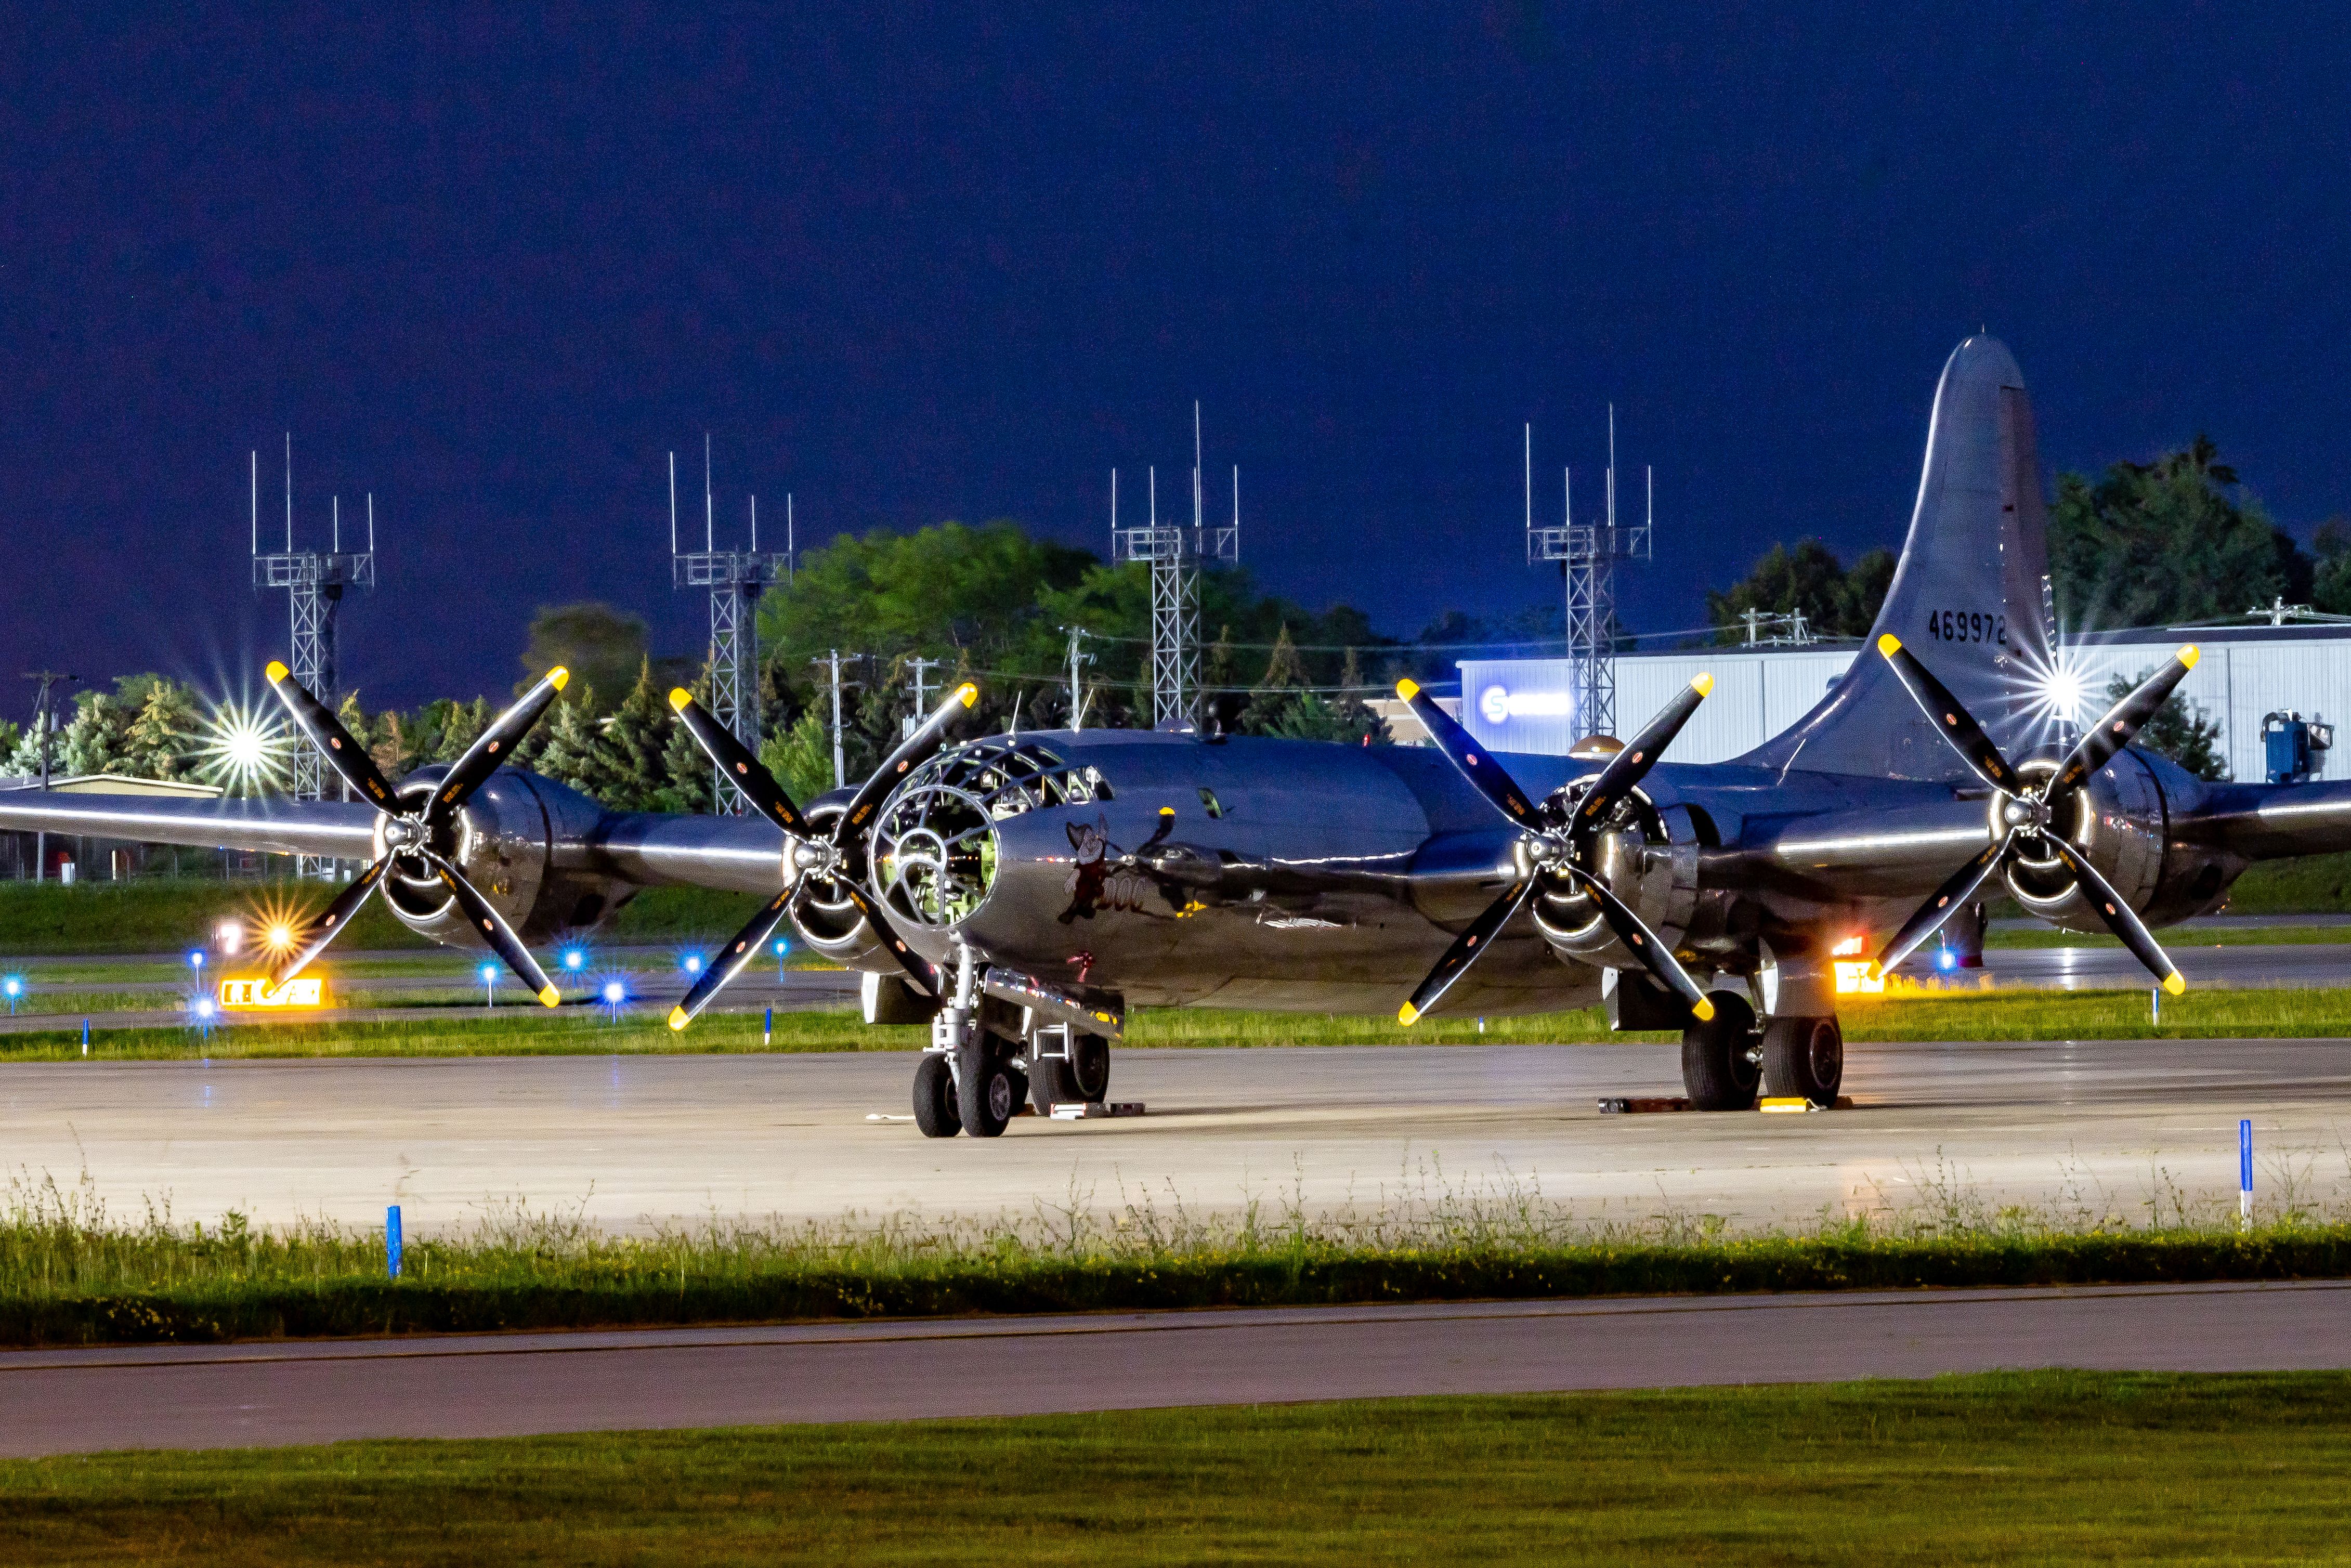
point(2246, 673)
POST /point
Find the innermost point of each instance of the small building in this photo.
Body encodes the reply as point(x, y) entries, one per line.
point(72, 857)
point(2245, 674)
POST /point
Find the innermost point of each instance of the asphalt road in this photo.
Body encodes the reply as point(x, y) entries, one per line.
point(488, 1386)
point(2123, 1127)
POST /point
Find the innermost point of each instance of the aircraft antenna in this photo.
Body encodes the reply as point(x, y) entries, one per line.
point(735, 579)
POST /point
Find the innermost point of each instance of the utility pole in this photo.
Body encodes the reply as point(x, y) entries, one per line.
point(45, 723)
point(830, 663)
point(919, 668)
point(1078, 635)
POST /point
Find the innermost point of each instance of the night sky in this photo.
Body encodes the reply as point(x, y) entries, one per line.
point(934, 262)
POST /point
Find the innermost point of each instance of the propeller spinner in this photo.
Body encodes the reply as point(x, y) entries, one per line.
point(417, 834)
point(2031, 809)
point(1557, 843)
point(811, 857)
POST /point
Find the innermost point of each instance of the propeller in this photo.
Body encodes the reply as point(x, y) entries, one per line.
point(2031, 809)
point(813, 856)
point(1558, 841)
point(417, 834)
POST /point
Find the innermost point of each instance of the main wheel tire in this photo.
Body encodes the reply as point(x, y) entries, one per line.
point(1081, 1077)
point(984, 1092)
point(935, 1097)
point(1089, 1067)
point(1803, 1058)
point(1720, 1065)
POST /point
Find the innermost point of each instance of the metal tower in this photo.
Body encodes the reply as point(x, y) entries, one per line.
point(314, 582)
point(1174, 554)
point(1588, 554)
point(736, 579)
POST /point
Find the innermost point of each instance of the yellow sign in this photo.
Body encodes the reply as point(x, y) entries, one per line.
point(301, 991)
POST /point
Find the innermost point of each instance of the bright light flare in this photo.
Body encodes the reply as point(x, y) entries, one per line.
point(615, 993)
point(693, 963)
point(279, 938)
point(243, 751)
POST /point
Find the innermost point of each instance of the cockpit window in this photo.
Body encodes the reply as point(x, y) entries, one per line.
point(1009, 776)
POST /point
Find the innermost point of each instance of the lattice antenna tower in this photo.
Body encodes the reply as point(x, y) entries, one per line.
point(1587, 554)
point(736, 579)
point(1174, 554)
point(314, 582)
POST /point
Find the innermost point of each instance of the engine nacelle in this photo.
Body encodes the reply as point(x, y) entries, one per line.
point(506, 840)
point(826, 920)
point(2120, 820)
point(1648, 856)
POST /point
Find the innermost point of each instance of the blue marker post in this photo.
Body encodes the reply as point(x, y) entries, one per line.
point(392, 1243)
point(85, 1037)
point(767, 1029)
point(2245, 1175)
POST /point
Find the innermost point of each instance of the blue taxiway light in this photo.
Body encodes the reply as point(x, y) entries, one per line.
point(694, 963)
point(574, 959)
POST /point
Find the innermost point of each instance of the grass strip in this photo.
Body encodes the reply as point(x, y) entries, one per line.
point(70, 1274)
point(2053, 1467)
point(582, 1030)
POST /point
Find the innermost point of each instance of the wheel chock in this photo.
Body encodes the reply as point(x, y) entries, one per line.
point(1639, 1105)
point(1087, 1111)
point(1796, 1104)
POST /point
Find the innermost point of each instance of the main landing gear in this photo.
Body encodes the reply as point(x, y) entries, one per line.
point(972, 1079)
point(1731, 1058)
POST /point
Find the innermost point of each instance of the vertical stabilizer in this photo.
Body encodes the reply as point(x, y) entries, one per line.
point(1966, 597)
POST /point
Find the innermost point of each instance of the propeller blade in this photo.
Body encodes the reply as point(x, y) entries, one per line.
point(908, 960)
point(330, 924)
point(496, 931)
point(736, 760)
point(1630, 766)
point(729, 960)
point(1954, 723)
point(2123, 721)
point(1051, 1001)
point(1655, 955)
point(494, 745)
point(1489, 777)
point(2120, 918)
point(1930, 915)
point(912, 752)
point(1466, 949)
point(344, 755)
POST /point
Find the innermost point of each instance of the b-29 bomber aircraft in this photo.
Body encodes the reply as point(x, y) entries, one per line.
point(1018, 893)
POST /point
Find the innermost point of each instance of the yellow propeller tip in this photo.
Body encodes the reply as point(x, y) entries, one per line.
point(549, 996)
point(1407, 1013)
point(1407, 690)
point(2188, 655)
point(1702, 1009)
point(1890, 644)
point(276, 672)
point(2173, 985)
point(677, 1019)
point(968, 692)
point(559, 676)
point(1703, 685)
point(1166, 811)
point(678, 697)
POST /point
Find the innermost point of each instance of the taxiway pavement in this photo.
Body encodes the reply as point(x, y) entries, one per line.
point(507, 1385)
point(2124, 1127)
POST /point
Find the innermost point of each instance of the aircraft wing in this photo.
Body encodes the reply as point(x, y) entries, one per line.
point(343, 830)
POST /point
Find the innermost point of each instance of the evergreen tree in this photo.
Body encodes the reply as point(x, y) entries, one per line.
point(572, 755)
point(634, 747)
point(158, 742)
point(462, 728)
point(1276, 702)
point(689, 782)
point(2171, 541)
point(98, 740)
point(801, 759)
